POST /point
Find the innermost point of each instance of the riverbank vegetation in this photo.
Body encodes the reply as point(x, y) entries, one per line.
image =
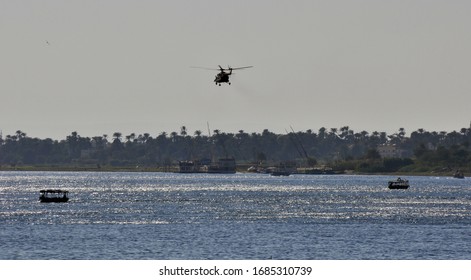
point(338, 149)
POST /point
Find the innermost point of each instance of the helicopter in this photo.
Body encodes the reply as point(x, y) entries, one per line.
point(223, 76)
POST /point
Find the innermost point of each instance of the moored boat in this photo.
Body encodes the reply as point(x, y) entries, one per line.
point(53, 196)
point(458, 174)
point(280, 173)
point(398, 184)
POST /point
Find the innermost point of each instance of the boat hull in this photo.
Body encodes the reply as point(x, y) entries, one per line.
point(398, 187)
point(53, 199)
point(395, 186)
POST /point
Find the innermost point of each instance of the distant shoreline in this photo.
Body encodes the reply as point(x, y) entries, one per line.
point(175, 170)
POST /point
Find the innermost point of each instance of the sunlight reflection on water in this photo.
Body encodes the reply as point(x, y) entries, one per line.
point(234, 216)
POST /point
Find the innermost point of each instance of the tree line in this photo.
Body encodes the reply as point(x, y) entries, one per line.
point(340, 148)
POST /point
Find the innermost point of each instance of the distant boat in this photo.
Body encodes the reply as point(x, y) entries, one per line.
point(53, 196)
point(398, 184)
point(458, 174)
point(280, 173)
point(282, 169)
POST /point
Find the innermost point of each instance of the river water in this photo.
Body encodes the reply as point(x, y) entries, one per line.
point(138, 216)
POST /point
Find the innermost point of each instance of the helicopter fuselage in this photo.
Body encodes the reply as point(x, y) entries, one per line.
point(222, 77)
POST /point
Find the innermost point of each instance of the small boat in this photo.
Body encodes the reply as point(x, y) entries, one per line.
point(280, 173)
point(458, 174)
point(282, 169)
point(53, 196)
point(398, 184)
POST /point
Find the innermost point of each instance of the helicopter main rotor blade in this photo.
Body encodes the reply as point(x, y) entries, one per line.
point(238, 68)
point(220, 68)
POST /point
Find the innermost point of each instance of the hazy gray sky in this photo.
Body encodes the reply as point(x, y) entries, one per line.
point(99, 67)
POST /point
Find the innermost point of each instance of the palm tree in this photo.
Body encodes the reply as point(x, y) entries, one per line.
point(99, 142)
point(183, 131)
point(174, 136)
point(321, 132)
point(20, 134)
point(402, 132)
point(117, 136)
point(344, 132)
point(130, 137)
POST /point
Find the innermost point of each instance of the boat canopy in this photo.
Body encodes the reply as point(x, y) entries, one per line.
point(53, 191)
